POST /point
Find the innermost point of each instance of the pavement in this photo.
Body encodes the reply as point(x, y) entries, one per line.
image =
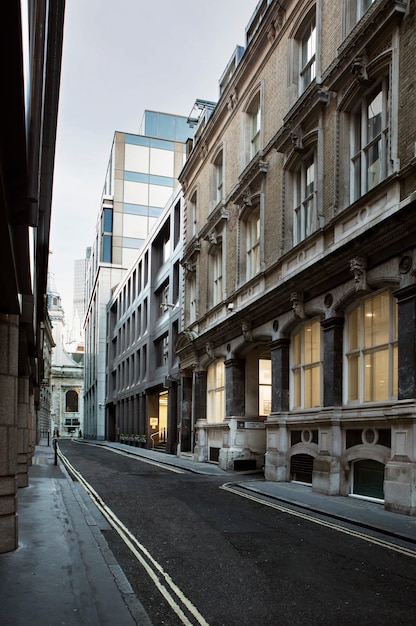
point(63, 572)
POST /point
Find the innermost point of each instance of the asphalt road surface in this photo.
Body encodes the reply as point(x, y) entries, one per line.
point(199, 554)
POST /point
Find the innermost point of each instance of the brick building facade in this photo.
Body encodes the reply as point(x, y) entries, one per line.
point(298, 350)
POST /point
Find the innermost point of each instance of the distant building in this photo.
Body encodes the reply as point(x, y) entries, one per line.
point(67, 374)
point(141, 177)
point(143, 323)
point(75, 339)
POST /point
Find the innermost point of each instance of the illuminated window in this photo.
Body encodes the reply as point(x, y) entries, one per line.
point(306, 366)
point(372, 349)
point(216, 392)
point(265, 387)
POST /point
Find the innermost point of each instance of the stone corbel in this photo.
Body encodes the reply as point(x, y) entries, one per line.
point(246, 330)
point(296, 139)
point(358, 269)
point(359, 69)
point(203, 150)
point(297, 305)
point(232, 101)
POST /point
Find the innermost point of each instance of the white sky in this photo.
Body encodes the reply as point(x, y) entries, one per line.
point(119, 59)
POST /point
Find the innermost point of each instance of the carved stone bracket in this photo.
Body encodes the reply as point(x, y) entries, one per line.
point(358, 268)
point(296, 301)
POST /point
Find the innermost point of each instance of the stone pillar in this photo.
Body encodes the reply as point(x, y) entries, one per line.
point(400, 471)
point(406, 299)
point(200, 395)
point(24, 416)
point(9, 350)
point(186, 416)
point(235, 401)
point(172, 419)
point(280, 374)
point(200, 413)
point(333, 357)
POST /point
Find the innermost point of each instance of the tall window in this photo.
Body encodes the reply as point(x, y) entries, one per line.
point(372, 349)
point(354, 10)
point(369, 141)
point(254, 123)
point(252, 245)
point(215, 265)
point(194, 213)
point(308, 55)
point(216, 392)
point(306, 366)
point(304, 199)
point(107, 238)
point(218, 178)
point(265, 387)
point(71, 402)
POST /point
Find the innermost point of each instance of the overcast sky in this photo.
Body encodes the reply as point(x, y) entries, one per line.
point(119, 59)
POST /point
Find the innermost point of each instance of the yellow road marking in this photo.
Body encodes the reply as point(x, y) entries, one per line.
point(326, 524)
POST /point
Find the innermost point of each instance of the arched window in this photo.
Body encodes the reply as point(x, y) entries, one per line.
point(71, 402)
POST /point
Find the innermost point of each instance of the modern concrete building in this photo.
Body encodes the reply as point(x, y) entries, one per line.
point(298, 349)
point(144, 316)
point(31, 35)
point(142, 175)
point(67, 374)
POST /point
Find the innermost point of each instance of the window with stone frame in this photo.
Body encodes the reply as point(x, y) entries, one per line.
point(371, 349)
point(354, 11)
point(307, 52)
point(215, 271)
point(216, 392)
point(193, 214)
point(71, 401)
point(306, 366)
point(369, 140)
point(250, 243)
point(254, 125)
point(304, 190)
point(218, 179)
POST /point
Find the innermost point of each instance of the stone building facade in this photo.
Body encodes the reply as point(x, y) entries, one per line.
point(31, 37)
point(298, 349)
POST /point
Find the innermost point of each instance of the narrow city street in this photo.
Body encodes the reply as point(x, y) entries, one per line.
point(232, 561)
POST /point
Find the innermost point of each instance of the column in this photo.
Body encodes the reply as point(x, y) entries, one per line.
point(9, 349)
point(406, 299)
point(186, 414)
point(280, 374)
point(333, 356)
point(235, 401)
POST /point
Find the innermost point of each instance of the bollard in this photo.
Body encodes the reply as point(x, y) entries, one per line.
point(55, 447)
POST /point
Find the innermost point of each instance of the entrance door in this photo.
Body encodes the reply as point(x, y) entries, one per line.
point(158, 419)
point(368, 478)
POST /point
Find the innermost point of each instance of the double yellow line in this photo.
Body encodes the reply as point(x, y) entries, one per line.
point(177, 600)
point(321, 522)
